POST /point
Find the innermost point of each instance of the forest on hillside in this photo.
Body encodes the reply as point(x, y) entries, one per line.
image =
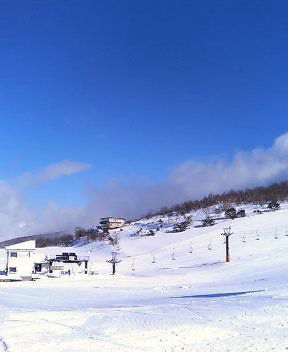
point(257, 195)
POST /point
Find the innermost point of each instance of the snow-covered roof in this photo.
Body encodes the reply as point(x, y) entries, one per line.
point(27, 245)
point(111, 219)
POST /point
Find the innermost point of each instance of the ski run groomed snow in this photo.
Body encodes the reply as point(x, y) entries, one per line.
point(171, 292)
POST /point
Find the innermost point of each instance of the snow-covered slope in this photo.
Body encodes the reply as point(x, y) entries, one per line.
point(172, 292)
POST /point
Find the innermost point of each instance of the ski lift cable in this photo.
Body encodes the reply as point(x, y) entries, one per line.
point(177, 245)
point(249, 234)
point(195, 249)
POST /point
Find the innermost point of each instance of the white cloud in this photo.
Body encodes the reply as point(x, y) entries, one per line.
point(247, 169)
point(53, 172)
point(63, 168)
point(15, 217)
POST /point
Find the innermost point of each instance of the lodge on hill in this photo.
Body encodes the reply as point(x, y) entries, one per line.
point(111, 223)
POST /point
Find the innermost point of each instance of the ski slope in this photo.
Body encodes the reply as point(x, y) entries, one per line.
point(171, 292)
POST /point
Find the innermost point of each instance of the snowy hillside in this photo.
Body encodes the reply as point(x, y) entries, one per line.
point(171, 292)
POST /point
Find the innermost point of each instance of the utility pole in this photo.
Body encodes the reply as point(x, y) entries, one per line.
point(113, 261)
point(227, 233)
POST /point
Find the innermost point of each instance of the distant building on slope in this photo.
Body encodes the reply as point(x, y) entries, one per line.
point(111, 223)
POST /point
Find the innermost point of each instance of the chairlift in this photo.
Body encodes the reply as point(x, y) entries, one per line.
point(210, 246)
point(133, 265)
point(173, 255)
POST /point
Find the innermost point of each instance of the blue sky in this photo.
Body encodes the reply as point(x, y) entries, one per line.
point(136, 88)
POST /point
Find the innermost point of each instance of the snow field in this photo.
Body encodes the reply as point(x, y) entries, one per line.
point(194, 302)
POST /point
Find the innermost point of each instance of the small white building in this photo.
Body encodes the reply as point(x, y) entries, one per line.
point(20, 260)
point(24, 263)
point(111, 223)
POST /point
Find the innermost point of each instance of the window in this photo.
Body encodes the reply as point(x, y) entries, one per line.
point(13, 254)
point(12, 269)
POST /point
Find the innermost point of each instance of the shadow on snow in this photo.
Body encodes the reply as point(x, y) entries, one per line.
point(223, 294)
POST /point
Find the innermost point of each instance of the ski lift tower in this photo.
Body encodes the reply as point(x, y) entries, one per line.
point(113, 261)
point(227, 233)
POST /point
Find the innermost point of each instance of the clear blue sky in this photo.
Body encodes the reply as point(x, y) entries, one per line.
point(147, 84)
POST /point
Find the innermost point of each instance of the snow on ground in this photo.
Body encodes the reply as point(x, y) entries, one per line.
point(163, 298)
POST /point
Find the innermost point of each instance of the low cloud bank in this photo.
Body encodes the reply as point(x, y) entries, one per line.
point(15, 218)
point(189, 180)
point(255, 168)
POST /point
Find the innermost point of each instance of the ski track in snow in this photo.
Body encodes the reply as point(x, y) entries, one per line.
point(3, 345)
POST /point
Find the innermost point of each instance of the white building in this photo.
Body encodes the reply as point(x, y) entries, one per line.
point(24, 263)
point(20, 260)
point(111, 223)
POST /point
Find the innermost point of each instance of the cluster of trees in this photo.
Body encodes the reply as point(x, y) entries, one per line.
point(89, 234)
point(232, 213)
point(65, 240)
point(258, 195)
point(142, 232)
point(208, 221)
point(182, 226)
point(59, 241)
point(274, 205)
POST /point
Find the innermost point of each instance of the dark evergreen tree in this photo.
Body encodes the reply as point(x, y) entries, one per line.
point(273, 205)
point(231, 213)
point(208, 222)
